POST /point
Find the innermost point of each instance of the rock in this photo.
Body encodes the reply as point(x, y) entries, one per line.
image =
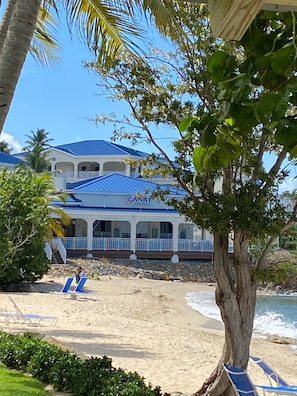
point(187, 271)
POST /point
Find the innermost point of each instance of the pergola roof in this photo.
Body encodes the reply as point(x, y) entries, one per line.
point(231, 18)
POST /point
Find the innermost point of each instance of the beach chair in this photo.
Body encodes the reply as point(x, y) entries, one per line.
point(80, 286)
point(67, 285)
point(20, 317)
point(80, 292)
point(271, 374)
point(240, 380)
point(8, 316)
point(243, 385)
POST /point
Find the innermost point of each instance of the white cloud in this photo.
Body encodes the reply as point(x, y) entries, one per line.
point(13, 144)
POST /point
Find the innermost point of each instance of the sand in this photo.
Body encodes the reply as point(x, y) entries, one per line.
point(144, 326)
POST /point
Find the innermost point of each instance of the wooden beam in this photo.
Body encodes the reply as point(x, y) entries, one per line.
point(287, 3)
point(231, 18)
point(282, 5)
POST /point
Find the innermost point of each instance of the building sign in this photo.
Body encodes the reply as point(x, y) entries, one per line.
point(138, 198)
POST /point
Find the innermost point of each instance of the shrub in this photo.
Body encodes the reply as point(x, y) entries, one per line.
point(16, 351)
point(43, 361)
point(67, 372)
point(64, 372)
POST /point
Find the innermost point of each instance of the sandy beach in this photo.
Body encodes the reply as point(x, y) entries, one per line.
point(144, 326)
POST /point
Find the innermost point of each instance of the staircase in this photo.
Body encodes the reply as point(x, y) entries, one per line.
point(57, 259)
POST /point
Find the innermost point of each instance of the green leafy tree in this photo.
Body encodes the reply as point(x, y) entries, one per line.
point(24, 221)
point(231, 104)
point(107, 28)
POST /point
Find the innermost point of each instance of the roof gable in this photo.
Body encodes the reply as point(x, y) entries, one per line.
point(9, 159)
point(98, 147)
point(115, 183)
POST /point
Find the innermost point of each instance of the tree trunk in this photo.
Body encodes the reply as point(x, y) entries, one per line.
point(236, 298)
point(13, 53)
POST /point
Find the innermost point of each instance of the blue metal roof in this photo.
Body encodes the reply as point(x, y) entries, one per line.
point(99, 147)
point(70, 201)
point(115, 183)
point(121, 210)
point(9, 159)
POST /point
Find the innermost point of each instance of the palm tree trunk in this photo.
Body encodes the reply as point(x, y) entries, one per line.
point(5, 21)
point(17, 34)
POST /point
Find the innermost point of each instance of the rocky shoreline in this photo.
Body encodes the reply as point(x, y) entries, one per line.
point(186, 271)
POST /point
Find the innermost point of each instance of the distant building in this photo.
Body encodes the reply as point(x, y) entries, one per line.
point(112, 209)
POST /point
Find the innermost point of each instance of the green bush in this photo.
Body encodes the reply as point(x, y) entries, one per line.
point(63, 373)
point(43, 361)
point(16, 351)
point(67, 372)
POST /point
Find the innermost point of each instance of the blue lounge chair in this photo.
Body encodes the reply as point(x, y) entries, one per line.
point(271, 374)
point(243, 386)
point(80, 286)
point(240, 380)
point(67, 285)
point(80, 292)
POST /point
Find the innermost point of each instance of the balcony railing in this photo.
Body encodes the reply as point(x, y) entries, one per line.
point(144, 244)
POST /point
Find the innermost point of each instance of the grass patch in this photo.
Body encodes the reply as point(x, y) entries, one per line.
point(14, 383)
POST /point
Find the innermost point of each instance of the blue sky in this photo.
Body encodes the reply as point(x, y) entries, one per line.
point(62, 100)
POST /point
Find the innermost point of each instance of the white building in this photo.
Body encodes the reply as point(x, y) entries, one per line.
point(112, 210)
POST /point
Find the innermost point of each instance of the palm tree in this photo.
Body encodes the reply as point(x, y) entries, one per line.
point(37, 160)
point(4, 147)
point(39, 138)
point(106, 27)
point(46, 192)
point(35, 154)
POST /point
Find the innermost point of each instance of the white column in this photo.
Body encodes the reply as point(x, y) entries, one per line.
point(133, 238)
point(175, 258)
point(100, 168)
point(90, 238)
point(75, 170)
point(128, 169)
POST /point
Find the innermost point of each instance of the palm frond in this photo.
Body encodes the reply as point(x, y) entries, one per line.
point(107, 27)
point(44, 46)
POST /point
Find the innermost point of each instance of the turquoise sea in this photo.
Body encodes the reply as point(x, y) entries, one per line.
point(275, 314)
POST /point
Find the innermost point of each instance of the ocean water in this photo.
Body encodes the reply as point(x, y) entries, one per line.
point(275, 314)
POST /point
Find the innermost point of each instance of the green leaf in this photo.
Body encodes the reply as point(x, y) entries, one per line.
point(293, 152)
point(198, 156)
point(216, 65)
point(282, 106)
point(282, 60)
point(186, 123)
point(208, 137)
point(287, 135)
point(264, 61)
point(292, 85)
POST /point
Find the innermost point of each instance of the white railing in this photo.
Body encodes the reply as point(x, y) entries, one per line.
point(57, 244)
point(48, 251)
point(87, 174)
point(73, 243)
point(187, 245)
point(111, 244)
point(144, 244)
point(159, 245)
